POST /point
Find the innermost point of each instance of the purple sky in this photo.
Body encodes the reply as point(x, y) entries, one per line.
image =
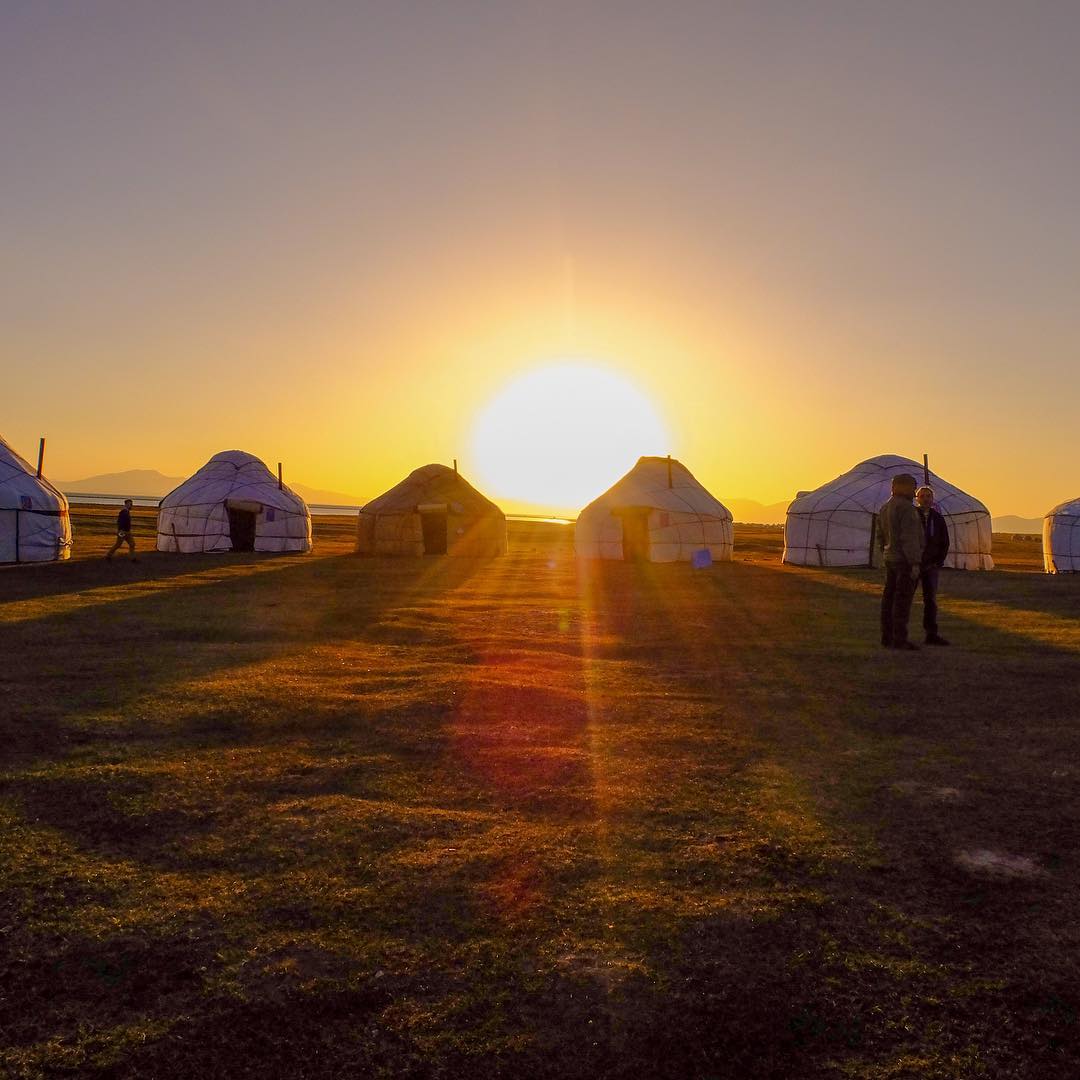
point(862, 220)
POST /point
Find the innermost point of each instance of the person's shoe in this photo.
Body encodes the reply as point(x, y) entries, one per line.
point(905, 646)
point(936, 639)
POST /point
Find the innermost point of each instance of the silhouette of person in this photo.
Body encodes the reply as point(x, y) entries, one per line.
point(900, 533)
point(935, 548)
point(124, 533)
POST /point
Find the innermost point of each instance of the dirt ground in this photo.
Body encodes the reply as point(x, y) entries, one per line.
point(324, 816)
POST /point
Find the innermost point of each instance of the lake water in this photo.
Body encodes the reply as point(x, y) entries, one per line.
point(81, 498)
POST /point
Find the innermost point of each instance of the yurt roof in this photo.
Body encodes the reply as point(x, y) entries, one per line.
point(867, 486)
point(646, 485)
point(1069, 508)
point(430, 484)
point(18, 478)
point(234, 474)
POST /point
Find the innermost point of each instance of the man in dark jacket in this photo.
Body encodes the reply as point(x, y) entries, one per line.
point(123, 532)
point(936, 547)
point(900, 535)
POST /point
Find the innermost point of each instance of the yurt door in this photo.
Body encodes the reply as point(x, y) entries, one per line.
point(873, 557)
point(9, 536)
point(241, 526)
point(635, 536)
point(433, 523)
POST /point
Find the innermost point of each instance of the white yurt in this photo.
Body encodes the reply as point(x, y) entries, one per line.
point(836, 524)
point(658, 512)
point(34, 521)
point(433, 511)
point(1061, 539)
point(233, 503)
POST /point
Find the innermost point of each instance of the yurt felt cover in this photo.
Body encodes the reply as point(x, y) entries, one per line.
point(1061, 539)
point(392, 524)
point(835, 525)
point(195, 516)
point(680, 519)
point(34, 522)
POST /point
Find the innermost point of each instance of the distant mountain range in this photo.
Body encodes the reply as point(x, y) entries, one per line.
point(754, 513)
point(1010, 523)
point(153, 485)
point(136, 482)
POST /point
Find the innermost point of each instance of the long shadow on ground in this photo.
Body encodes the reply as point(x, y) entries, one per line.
point(525, 820)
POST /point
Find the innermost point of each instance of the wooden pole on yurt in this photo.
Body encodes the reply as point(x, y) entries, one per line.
point(926, 469)
point(40, 456)
point(669, 483)
point(280, 484)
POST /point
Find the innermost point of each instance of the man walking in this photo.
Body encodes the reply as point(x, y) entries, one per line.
point(900, 534)
point(935, 548)
point(123, 532)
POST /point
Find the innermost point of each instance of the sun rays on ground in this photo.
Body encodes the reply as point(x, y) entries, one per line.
point(528, 810)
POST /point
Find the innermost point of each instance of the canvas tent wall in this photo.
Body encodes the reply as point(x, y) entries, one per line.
point(836, 524)
point(233, 503)
point(658, 512)
point(34, 522)
point(433, 511)
point(1061, 539)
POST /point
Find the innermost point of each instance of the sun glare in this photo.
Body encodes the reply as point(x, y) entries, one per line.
point(560, 435)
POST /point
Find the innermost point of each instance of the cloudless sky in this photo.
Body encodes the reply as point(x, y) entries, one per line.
point(329, 233)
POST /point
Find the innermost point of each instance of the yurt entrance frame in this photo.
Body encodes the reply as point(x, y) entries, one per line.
point(242, 523)
point(636, 546)
point(4, 554)
point(434, 528)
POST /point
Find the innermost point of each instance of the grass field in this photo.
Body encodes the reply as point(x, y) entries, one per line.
point(331, 817)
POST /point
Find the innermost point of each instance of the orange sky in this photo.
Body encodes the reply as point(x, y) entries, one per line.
point(809, 237)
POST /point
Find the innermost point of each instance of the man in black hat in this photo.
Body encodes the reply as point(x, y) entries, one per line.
point(935, 548)
point(900, 534)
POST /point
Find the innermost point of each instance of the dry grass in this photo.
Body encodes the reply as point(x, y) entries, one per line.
point(325, 817)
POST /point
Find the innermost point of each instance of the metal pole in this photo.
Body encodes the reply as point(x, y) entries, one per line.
point(279, 481)
point(455, 466)
point(40, 455)
point(669, 483)
point(926, 469)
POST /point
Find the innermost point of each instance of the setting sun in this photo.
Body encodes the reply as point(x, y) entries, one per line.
point(559, 435)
